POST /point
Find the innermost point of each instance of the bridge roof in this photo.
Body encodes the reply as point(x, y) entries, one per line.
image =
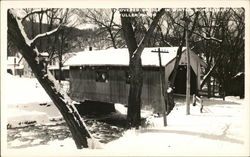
point(120, 57)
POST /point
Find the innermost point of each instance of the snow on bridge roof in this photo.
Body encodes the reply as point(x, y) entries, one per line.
point(120, 57)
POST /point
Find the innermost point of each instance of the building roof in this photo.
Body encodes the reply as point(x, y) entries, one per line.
point(11, 60)
point(120, 57)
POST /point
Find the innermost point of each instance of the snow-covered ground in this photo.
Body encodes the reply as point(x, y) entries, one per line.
point(27, 101)
point(221, 130)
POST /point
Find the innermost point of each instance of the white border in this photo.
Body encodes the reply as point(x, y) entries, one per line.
point(118, 4)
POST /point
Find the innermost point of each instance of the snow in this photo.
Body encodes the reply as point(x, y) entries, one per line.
point(239, 74)
point(221, 127)
point(220, 130)
point(27, 101)
point(17, 117)
point(56, 67)
point(122, 110)
point(16, 87)
point(169, 90)
point(44, 54)
point(120, 57)
point(213, 133)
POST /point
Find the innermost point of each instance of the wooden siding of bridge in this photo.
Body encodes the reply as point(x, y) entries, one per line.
point(83, 86)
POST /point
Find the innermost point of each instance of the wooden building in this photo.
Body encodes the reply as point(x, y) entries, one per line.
point(103, 75)
point(14, 67)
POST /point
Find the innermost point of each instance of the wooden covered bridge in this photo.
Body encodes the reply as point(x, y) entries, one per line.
point(103, 75)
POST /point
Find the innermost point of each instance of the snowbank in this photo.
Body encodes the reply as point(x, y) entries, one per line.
point(211, 133)
point(19, 118)
point(218, 131)
point(24, 91)
point(27, 102)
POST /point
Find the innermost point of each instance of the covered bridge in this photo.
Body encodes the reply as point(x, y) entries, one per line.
point(103, 75)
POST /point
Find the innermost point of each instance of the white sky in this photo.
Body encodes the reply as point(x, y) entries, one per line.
point(74, 19)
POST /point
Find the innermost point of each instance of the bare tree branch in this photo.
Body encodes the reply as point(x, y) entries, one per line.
point(197, 13)
point(93, 17)
point(53, 17)
point(209, 73)
point(178, 56)
point(112, 17)
point(34, 12)
point(208, 38)
point(117, 33)
point(39, 36)
point(162, 37)
point(190, 31)
point(149, 33)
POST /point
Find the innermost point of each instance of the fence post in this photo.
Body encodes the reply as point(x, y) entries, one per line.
point(194, 100)
point(201, 104)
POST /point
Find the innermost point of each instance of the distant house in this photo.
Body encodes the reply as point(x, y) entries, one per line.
point(17, 65)
point(14, 67)
point(104, 75)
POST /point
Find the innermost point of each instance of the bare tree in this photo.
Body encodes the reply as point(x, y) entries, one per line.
point(106, 22)
point(218, 36)
point(135, 66)
point(220, 39)
point(232, 31)
point(185, 22)
point(60, 98)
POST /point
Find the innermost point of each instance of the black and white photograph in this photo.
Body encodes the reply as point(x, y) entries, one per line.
point(100, 80)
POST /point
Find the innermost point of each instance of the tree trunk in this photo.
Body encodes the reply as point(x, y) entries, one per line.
point(208, 74)
point(135, 69)
point(58, 96)
point(135, 66)
point(170, 95)
point(112, 38)
point(40, 31)
point(60, 56)
point(134, 99)
point(188, 75)
point(214, 85)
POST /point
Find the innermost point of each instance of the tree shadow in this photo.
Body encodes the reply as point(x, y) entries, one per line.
point(221, 137)
point(208, 102)
point(181, 100)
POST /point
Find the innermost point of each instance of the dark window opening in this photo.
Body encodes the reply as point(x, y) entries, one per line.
point(102, 76)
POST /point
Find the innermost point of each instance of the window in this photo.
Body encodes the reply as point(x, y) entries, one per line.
point(102, 76)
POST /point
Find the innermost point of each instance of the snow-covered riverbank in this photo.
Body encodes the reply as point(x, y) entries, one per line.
point(220, 130)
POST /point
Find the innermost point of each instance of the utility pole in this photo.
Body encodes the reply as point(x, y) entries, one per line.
point(163, 86)
point(188, 71)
